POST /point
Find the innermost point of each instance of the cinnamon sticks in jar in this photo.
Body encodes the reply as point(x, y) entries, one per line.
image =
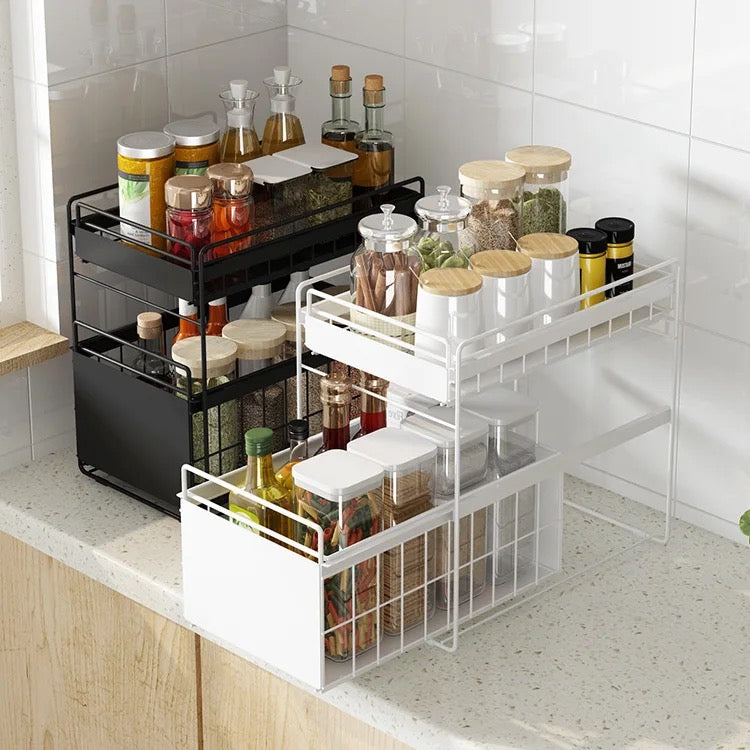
point(386, 283)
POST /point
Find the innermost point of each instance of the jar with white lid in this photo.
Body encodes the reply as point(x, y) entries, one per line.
point(443, 240)
point(260, 344)
point(196, 144)
point(506, 295)
point(383, 274)
point(495, 190)
point(403, 402)
point(342, 493)
point(555, 274)
point(545, 197)
point(408, 464)
point(449, 305)
point(223, 420)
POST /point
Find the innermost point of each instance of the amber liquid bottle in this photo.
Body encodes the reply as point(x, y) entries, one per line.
point(283, 128)
point(373, 415)
point(341, 131)
point(299, 432)
point(217, 317)
point(187, 329)
point(336, 397)
point(239, 142)
point(374, 145)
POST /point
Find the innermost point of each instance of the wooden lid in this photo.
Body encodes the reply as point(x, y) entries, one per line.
point(500, 264)
point(490, 174)
point(340, 73)
point(221, 355)
point(450, 282)
point(541, 163)
point(286, 314)
point(256, 339)
point(548, 246)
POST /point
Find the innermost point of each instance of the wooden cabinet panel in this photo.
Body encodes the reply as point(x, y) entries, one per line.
point(247, 708)
point(84, 668)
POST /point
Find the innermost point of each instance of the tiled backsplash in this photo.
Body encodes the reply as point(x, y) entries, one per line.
point(654, 122)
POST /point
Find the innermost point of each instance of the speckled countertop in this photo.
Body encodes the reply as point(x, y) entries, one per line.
point(648, 652)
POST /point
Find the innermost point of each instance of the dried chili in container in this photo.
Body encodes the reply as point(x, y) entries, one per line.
point(188, 200)
point(233, 209)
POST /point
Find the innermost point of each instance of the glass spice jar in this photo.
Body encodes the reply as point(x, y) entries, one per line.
point(145, 161)
point(495, 190)
point(233, 209)
point(443, 241)
point(592, 255)
point(197, 144)
point(336, 397)
point(188, 199)
point(545, 196)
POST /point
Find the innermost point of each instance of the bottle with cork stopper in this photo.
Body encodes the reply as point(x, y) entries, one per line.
point(239, 141)
point(340, 131)
point(150, 330)
point(375, 167)
point(283, 128)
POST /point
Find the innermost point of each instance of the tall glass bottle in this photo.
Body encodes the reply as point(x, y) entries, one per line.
point(373, 414)
point(283, 128)
point(340, 131)
point(299, 432)
point(375, 166)
point(260, 480)
point(151, 340)
point(239, 142)
point(336, 397)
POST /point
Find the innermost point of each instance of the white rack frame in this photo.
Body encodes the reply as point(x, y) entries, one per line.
point(280, 620)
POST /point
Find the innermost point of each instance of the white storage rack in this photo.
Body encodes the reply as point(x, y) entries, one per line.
point(279, 618)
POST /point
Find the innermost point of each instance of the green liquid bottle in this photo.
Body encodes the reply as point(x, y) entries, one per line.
point(260, 480)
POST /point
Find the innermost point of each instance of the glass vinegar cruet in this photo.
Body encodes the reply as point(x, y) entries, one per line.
point(239, 142)
point(283, 128)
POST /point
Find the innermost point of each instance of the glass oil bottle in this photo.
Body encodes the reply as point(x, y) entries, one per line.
point(239, 142)
point(283, 128)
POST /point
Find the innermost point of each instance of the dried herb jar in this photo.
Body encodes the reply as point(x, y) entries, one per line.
point(545, 197)
point(342, 493)
point(408, 464)
point(196, 144)
point(495, 191)
point(188, 200)
point(443, 239)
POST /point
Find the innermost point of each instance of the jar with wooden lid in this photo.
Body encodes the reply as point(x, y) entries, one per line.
point(592, 253)
point(495, 190)
point(196, 144)
point(188, 199)
point(545, 197)
point(408, 463)
point(443, 240)
point(449, 305)
point(259, 345)
point(145, 161)
point(233, 208)
point(554, 275)
point(384, 274)
point(506, 295)
point(223, 420)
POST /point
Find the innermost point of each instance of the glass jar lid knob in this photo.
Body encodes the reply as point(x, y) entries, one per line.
point(387, 209)
point(443, 191)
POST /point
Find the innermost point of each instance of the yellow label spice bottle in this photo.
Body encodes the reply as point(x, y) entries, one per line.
point(620, 234)
point(592, 252)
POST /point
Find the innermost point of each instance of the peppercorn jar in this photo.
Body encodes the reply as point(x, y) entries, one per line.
point(384, 275)
point(233, 214)
point(341, 493)
point(545, 196)
point(222, 450)
point(443, 239)
point(495, 191)
point(197, 144)
point(188, 200)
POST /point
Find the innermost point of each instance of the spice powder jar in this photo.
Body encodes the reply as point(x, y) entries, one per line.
point(495, 190)
point(554, 275)
point(197, 144)
point(545, 196)
point(620, 234)
point(592, 251)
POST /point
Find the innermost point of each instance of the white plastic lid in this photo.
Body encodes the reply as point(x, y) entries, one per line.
point(337, 475)
point(186, 308)
point(409, 399)
point(145, 145)
point(197, 131)
point(472, 427)
point(500, 406)
point(317, 155)
point(271, 170)
point(394, 449)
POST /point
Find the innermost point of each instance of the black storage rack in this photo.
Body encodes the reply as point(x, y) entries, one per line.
point(135, 431)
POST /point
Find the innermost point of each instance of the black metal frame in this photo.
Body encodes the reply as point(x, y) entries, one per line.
point(124, 415)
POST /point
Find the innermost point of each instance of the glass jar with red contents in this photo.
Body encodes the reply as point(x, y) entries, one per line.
point(233, 209)
point(373, 414)
point(188, 213)
point(336, 397)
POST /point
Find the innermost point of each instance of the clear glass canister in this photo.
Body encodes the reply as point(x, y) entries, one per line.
point(408, 464)
point(495, 190)
point(443, 240)
point(342, 493)
point(188, 199)
point(197, 144)
point(472, 529)
point(260, 344)
point(233, 213)
point(145, 161)
point(384, 276)
point(545, 196)
point(223, 451)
